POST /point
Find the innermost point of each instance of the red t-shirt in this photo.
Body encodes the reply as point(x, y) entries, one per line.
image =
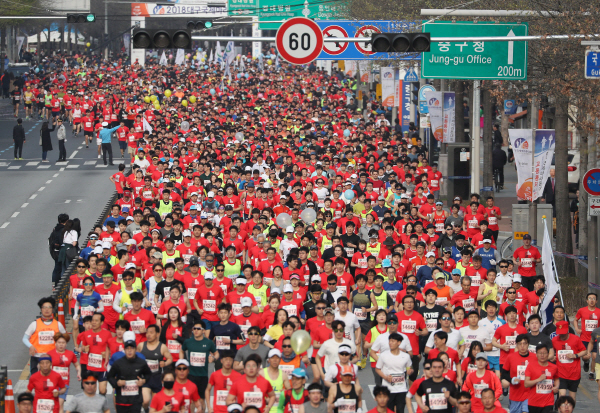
point(160, 398)
point(61, 363)
point(452, 356)
point(516, 364)
point(98, 343)
point(145, 316)
point(44, 386)
point(475, 386)
point(409, 324)
point(541, 395)
point(188, 391)
point(466, 301)
point(506, 334)
point(568, 369)
point(253, 394)
point(208, 300)
point(221, 385)
point(527, 257)
point(589, 321)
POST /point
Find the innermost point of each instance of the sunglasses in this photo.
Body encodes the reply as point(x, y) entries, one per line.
point(158, 270)
point(91, 383)
point(286, 346)
point(81, 266)
point(87, 284)
point(332, 283)
point(182, 368)
point(253, 334)
point(338, 330)
point(465, 402)
point(446, 318)
point(504, 266)
point(344, 354)
point(124, 279)
point(426, 368)
point(198, 328)
point(320, 308)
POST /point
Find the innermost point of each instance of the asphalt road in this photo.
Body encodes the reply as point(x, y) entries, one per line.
point(32, 196)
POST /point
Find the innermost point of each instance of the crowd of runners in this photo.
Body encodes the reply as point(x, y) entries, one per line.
point(269, 202)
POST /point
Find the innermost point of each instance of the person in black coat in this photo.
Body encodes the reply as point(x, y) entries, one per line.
point(499, 159)
point(19, 138)
point(45, 140)
point(549, 195)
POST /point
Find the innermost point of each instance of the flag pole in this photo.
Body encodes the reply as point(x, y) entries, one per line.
point(547, 239)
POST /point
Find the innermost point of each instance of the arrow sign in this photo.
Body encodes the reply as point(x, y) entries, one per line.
point(511, 48)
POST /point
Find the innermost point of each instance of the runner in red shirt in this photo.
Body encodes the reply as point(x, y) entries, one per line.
point(47, 386)
point(542, 379)
point(513, 371)
point(589, 317)
point(95, 343)
point(222, 380)
point(252, 389)
point(412, 324)
point(569, 350)
point(505, 337)
point(167, 396)
point(526, 257)
point(482, 378)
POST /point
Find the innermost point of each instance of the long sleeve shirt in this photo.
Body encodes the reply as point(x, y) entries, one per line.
point(105, 134)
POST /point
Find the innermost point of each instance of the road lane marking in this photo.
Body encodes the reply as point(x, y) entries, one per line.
point(15, 214)
point(48, 181)
point(55, 175)
point(5, 225)
point(33, 196)
point(67, 201)
point(32, 163)
point(73, 154)
point(25, 205)
point(42, 188)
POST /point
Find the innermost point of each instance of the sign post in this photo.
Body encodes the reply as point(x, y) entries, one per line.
point(476, 60)
point(299, 40)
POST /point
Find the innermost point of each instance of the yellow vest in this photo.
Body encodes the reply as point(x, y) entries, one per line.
point(491, 293)
point(232, 270)
point(169, 258)
point(374, 334)
point(260, 295)
point(277, 388)
point(381, 300)
point(326, 244)
point(125, 299)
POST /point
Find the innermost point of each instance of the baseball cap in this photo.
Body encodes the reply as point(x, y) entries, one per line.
point(129, 343)
point(208, 275)
point(288, 288)
point(182, 361)
point(246, 302)
point(489, 241)
point(347, 370)
point(235, 407)
point(439, 275)
point(105, 124)
point(97, 250)
point(429, 254)
point(562, 327)
point(456, 271)
point(274, 352)
point(187, 233)
point(193, 207)
point(315, 277)
point(526, 236)
point(210, 194)
point(516, 278)
point(157, 255)
point(129, 265)
point(299, 373)
point(203, 215)
point(386, 263)
point(481, 355)
point(330, 226)
point(289, 229)
point(241, 280)
point(106, 245)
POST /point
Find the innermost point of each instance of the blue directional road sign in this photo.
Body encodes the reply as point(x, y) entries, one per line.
point(423, 108)
point(592, 64)
point(411, 76)
point(360, 50)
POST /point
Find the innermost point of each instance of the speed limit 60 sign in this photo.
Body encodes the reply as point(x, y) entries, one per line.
point(299, 40)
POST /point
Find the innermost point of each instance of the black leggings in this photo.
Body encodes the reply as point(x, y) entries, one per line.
point(397, 402)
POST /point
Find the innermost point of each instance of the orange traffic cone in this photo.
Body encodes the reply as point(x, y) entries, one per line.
point(61, 313)
point(9, 399)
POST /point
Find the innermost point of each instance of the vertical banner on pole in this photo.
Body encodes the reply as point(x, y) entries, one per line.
point(405, 104)
point(521, 141)
point(544, 150)
point(388, 91)
point(350, 67)
point(449, 125)
point(434, 104)
point(256, 46)
point(365, 71)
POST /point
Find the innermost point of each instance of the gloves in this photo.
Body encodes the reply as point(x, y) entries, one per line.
point(338, 403)
point(515, 381)
point(493, 262)
point(359, 410)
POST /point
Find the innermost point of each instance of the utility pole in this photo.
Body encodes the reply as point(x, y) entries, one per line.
point(533, 204)
point(475, 141)
point(106, 29)
point(592, 232)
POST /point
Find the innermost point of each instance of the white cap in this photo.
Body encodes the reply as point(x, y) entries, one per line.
point(429, 254)
point(128, 336)
point(187, 233)
point(129, 218)
point(107, 245)
point(98, 243)
point(130, 242)
point(129, 265)
point(516, 278)
point(208, 275)
point(315, 277)
point(210, 194)
point(203, 215)
point(289, 229)
point(274, 352)
point(288, 288)
point(241, 280)
point(283, 197)
point(105, 124)
point(354, 176)
point(97, 250)
point(182, 361)
point(487, 240)
point(246, 302)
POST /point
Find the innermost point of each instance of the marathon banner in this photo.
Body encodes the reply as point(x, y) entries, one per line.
point(388, 90)
point(544, 151)
point(552, 285)
point(436, 117)
point(179, 10)
point(449, 118)
point(521, 140)
point(350, 67)
point(365, 72)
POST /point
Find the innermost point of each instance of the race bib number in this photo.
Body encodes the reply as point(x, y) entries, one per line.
point(439, 227)
point(437, 401)
point(76, 292)
point(362, 263)
point(393, 294)
point(191, 292)
point(173, 346)
point(222, 397)
point(360, 314)
point(197, 359)
point(86, 311)
point(531, 349)
point(471, 368)
point(153, 365)
point(492, 220)
point(237, 309)
point(409, 326)
point(431, 324)
point(137, 325)
point(476, 280)
point(130, 389)
point(220, 342)
point(224, 288)
point(107, 300)
point(346, 405)
point(562, 356)
point(479, 388)
point(544, 387)
point(591, 325)
point(46, 337)
point(398, 380)
point(349, 251)
point(468, 304)
point(291, 309)
point(473, 223)
point(287, 370)
point(441, 301)
point(95, 360)
point(521, 372)
point(63, 371)
point(44, 405)
point(526, 262)
point(209, 305)
point(511, 341)
point(253, 398)
point(344, 290)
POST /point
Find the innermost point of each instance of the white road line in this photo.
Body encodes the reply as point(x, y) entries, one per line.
point(42, 188)
point(62, 169)
point(67, 201)
point(48, 181)
point(14, 167)
point(15, 214)
point(73, 154)
point(32, 163)
point(25, 205)
point(72, 166)
point(33, 196)
point(80, 147)
point(55, 175)
point(5, 225)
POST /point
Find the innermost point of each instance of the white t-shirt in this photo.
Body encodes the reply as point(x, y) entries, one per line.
point(395, 365)
point(70, 237)
point(321, 193)
point(455, 286)
point(329, 350)
point(492, 326)
point(482, 335)
point(351, 322)
point(503, 281)
point(286, 246)
point(382, 343)
point(454, 339)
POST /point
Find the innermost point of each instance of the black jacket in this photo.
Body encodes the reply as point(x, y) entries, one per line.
point(548, 193)
point(128, 369)
point(499, 159)
point(18, 133)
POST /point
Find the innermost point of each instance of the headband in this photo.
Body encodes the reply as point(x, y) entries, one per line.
point(45, 358)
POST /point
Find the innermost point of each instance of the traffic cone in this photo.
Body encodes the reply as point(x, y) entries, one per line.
point(9, 399)
point(61, 313)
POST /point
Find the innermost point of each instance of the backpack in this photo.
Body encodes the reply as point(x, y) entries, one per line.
point(55, 241)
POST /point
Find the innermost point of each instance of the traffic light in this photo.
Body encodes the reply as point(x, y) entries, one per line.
point(161, 39)
point(415, 93)
point(400, 42)
point(198, 25)
point(81, 18)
